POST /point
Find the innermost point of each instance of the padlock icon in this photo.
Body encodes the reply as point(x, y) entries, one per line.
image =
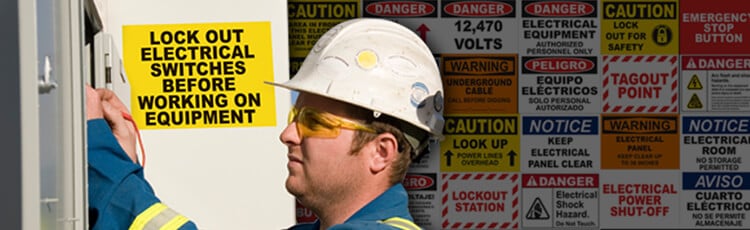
point(662, 35)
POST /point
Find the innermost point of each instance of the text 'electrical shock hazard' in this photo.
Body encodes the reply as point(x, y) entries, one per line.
point(572, 199)
point(200, 75)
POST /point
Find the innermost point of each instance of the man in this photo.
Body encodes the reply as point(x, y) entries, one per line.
point(370, 100)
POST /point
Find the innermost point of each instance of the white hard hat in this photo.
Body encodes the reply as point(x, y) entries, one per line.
point(378, 65)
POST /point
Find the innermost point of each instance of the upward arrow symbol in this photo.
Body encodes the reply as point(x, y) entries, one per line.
point(422, 31)
point(448, 156)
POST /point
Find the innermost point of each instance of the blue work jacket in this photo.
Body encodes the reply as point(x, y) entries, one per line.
point(394, 202)
point(119, 195)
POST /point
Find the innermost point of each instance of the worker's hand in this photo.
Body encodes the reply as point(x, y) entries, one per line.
point(114, 111)
point(93, 104)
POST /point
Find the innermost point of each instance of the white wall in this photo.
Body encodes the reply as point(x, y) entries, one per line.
point(221, 178)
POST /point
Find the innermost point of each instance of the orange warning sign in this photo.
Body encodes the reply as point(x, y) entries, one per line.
point(640, 142)
point(486, 84)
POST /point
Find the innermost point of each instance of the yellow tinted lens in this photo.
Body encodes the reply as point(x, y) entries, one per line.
point(292, 115)
point(311, 123)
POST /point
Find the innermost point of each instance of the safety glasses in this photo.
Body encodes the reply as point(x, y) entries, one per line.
point(313, 123)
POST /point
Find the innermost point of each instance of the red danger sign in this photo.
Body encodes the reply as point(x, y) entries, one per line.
point(559, 9)
point(399, 9)
point(560, 180)
point(478, 9)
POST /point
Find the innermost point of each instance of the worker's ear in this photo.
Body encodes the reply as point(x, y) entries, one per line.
point(384, 153)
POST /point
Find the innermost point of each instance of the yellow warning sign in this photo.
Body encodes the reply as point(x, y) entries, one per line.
point(639, 27)
point(480, 144)
point(695, 102)
point(200, 75)
point(695, 83)
point(310, 19)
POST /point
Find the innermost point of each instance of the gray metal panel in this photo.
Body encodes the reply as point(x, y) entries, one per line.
point(50, 148)
point(62, 175)
point(10, 119)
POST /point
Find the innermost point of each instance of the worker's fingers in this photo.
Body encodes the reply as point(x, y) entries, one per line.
point(123, 129)
point(110, 96)
point(93, 104)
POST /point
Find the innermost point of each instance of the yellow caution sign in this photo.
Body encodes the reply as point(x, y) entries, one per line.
point(200, 75)
point(695, 102)
point(695, 83)
point(480, 144)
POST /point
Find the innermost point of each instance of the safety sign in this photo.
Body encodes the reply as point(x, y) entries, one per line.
point(716, 200)
point(640, 142)
point(640, 27)
point(399, 9)
point(715, 143)
point(479, 143)
point(716, 28)
point(559, 28)
point(562, 144)
point(715, 83)
point(308, 20)
point(424, 204)
point(200, 75)
point(480, 84)
point(465, 27)
point(560, 200)
point(640, 84)
point(559, 85)
point(639, 198)
point(480, 200)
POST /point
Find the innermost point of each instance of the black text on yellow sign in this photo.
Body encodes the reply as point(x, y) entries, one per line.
point(480, 144)
point(640, 27)
point(200, 75)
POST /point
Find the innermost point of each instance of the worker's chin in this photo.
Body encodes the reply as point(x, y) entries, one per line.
point(293, 185)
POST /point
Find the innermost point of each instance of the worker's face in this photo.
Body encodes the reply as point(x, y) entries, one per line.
point(320, 164)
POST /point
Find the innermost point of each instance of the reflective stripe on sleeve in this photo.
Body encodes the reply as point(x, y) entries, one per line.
point(401, 223)
point(158, 217)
